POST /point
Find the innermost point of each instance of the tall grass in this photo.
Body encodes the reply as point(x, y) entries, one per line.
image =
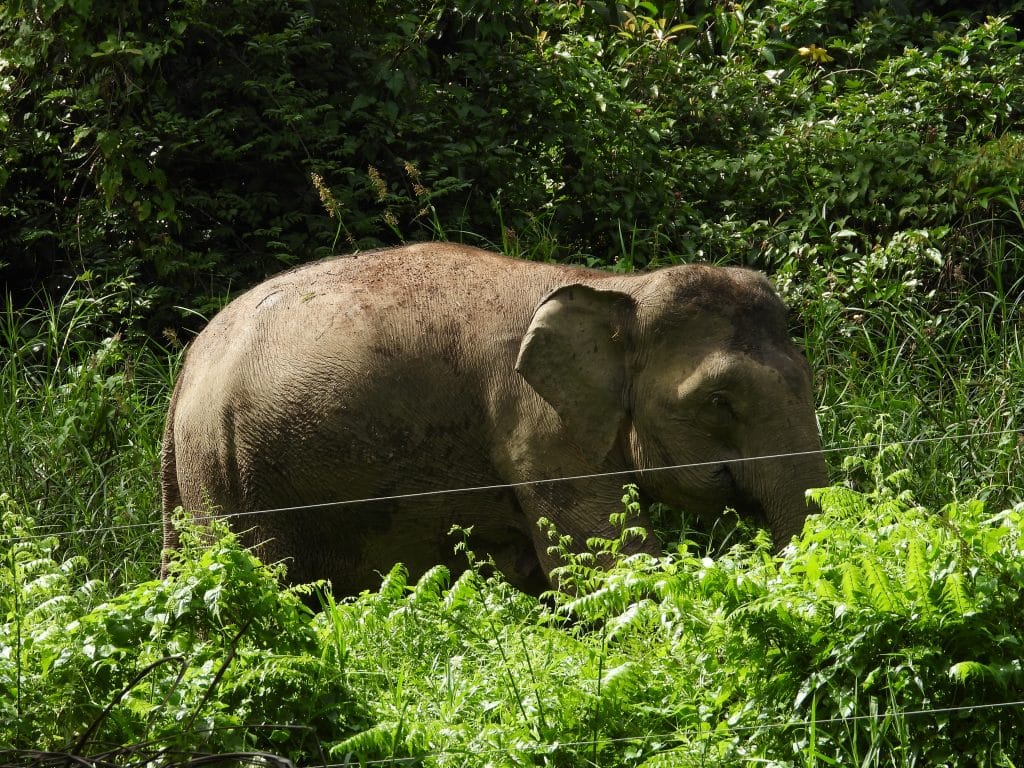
point(941, 370)
point(80, 419)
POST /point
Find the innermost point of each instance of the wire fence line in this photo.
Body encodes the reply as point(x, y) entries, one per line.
point(685, 733)
point(525, 483)
point(151, 754)
point(679, 736)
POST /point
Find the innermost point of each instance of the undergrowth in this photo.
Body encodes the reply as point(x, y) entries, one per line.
point(215, 659)
point(81, 413)
point(897, 358)
point(886, 634)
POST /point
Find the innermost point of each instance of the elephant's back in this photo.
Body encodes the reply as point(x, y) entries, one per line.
point(399, 345)
point(419, 270)
point(385, 362)
point(430, 298)
point(433, 322)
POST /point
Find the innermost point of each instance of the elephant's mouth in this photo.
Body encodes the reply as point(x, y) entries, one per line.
point(744, 503)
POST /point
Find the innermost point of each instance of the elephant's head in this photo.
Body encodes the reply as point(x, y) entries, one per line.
point(689, 367)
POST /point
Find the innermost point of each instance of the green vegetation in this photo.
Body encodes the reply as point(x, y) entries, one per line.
point(168, 148)
point(156, 156)
point(887, 635)
point(81, 422)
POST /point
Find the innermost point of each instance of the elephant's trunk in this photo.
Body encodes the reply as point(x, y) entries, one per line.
point(784, 499)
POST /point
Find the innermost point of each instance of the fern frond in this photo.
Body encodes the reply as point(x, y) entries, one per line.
point(376, 740)
point(915, 576)
point(620, 682)
point(463, 590)
point(431, 584)
point(826, 590)
point(838, 502)
point(395, 583)
point(812, 566)
point(956, 602)
point(851, 582)
point(634, 617)
point(883, 597)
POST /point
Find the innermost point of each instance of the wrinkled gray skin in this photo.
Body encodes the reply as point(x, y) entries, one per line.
point(442, 366)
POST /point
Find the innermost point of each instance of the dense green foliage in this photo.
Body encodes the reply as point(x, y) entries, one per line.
point(886, 635)
point(869, 154)
point(80, 422)
point(170, 148)
point(193, 662)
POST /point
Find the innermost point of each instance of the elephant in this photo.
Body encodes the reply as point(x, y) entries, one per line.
point(399, 372)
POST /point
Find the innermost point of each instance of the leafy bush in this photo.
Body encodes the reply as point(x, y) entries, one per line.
point(216, 658)
point(884, 635)
point(177, 144)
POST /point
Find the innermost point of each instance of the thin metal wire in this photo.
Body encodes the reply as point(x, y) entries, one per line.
point(36, 758)
point(683, 733)
point(523, 483)
point(501, 486)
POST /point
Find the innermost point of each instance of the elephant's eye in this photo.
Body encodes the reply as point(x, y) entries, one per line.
point(722, 407)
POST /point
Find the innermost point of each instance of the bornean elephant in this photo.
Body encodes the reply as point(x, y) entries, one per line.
point(438, 366)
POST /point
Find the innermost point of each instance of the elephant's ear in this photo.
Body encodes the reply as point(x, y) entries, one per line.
point(574, 356)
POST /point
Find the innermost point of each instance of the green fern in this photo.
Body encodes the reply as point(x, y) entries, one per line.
point(638, 617)
point(621, 681)
point(916, 581)
point(879, 587)
point(430, 585)
point(851, 582)
point(396, 583)
point(956, 602)
point(377, 740)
